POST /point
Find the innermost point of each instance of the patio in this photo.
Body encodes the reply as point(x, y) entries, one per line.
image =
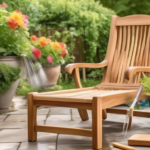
point(13, 129)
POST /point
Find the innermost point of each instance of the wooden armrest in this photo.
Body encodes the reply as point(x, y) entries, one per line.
point(69, 68)
point(129, 73)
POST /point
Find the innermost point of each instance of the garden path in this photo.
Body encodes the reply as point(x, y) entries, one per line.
point(13, 129)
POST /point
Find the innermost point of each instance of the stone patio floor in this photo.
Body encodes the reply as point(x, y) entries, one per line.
point(13, 129)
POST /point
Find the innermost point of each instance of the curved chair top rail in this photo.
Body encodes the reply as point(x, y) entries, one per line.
point(133, 20)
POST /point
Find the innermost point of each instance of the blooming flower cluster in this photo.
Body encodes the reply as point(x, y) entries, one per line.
point(4, 5)
point(17, 19)
point(47, 49)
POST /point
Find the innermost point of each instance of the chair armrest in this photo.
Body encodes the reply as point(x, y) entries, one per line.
point(69, 68)
point(129, 73)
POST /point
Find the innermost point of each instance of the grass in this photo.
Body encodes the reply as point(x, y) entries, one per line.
point(24, 87)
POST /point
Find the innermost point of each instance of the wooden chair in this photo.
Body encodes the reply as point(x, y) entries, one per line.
point(129, 46)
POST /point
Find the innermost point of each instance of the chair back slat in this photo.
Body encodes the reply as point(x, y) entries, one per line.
point(130, 47)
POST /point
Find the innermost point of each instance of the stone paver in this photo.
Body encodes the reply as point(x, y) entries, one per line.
point(37, 146)
point(9, 146)
point(2, 117)
point(23, 118)
point(20, 135)
point(13, 125)
point(13, 129)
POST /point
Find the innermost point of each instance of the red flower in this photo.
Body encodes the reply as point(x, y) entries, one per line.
point(12, 24)
point(18, 11)
point(63, 46)
point(36, 52)
point(64, 49)
point(64, 53)
point(34, 38)
point(4, 5)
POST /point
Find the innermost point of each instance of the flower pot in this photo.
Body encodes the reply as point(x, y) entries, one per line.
point(6, 98)
point(52, 73)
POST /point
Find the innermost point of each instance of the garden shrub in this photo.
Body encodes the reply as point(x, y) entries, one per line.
point(8, 75)
point(85, 18)
point(128, 7)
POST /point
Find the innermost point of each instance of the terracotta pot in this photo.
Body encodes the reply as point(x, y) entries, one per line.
point(6, 98)
point(52, 74)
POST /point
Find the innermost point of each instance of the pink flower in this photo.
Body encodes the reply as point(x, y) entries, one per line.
point(25, 21)
point(49, 59)
point(4, 5)
point(36, 52)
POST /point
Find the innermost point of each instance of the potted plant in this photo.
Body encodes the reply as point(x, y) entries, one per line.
point(51, 54)
point(13, 40)
point(9, 79)
point(13, 36)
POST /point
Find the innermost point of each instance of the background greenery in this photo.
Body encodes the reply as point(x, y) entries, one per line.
point(86, 21)
point(127, 7)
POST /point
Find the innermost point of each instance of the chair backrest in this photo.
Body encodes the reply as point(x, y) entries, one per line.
point(129, 45)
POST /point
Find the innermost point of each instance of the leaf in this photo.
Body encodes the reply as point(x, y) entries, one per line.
point(2, 50)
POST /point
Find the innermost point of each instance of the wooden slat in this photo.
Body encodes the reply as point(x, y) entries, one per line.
point(111, 47)
point(135, 46)
point(66, 91)
point(122, 63)
point(120, 98)
point(117, 56)
point(64, 130)
point(63, 104)
point(61, 99)
point(135, 112)
point(116, 53)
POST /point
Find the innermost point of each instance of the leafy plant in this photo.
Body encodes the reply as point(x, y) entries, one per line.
point(127, 7)
point(13, 33)
point(8, 75)
point(49, 52)
point(24, 87)
point(146, 84)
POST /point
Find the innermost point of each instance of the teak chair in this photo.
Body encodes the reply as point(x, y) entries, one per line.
point(128, 48)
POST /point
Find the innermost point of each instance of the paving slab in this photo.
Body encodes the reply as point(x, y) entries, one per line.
point(2, 117)
point(64, 111)
point(13, 125)
point(19, 102)
point(37, 146)
point(24, 111)
point(20, 135)
point(9, 146)
point(23, 118)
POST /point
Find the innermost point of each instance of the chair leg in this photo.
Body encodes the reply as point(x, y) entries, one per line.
point(104, 114)
point(32, 115)
point(149, 100)
point(83, 114)
point(97, 123)
point(130, 118)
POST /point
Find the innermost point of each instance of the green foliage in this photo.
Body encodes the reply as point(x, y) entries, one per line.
point(96, 74)
point(146, 84)
point(8, 75)
point(24, 87)
point(128, 7)
point(12, 41)
point(84, 18)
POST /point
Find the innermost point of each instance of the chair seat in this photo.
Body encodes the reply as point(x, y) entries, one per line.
point(84, 95)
